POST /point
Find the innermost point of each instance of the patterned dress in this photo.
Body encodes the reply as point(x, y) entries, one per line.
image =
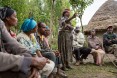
point(65, 41)
point(31, 44)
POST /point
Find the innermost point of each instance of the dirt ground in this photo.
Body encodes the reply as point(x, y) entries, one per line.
point(89, 70)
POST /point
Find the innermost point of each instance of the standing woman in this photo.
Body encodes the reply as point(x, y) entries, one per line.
point(65, 38)
point(9, 18)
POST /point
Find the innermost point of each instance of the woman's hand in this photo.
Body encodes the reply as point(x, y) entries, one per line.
point(74, 16)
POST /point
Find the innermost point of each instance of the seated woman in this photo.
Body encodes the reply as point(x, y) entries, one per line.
point(56, 52)
point(97, 48)
point(27, 39)
point(10, 19)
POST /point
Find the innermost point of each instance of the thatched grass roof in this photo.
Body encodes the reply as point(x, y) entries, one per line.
point(104, 17)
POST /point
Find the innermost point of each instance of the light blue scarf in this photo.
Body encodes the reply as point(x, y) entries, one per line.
point(28, 25)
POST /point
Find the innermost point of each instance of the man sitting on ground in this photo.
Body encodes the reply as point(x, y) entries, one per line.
point(42, 33)
point(78, 42)
point(110, 41)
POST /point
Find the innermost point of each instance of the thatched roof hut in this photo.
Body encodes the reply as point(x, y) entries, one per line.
point(105, 16)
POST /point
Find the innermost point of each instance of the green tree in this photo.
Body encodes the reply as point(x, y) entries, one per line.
point(52, 10)
point(47, 11)
point(20, 7)
point(79, 6)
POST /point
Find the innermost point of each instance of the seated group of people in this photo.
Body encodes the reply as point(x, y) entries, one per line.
point(28, 54)
point(95, 46)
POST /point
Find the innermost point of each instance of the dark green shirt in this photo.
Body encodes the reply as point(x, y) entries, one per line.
point(107, 37)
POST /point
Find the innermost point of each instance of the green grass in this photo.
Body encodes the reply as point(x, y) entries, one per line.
point(89, 70)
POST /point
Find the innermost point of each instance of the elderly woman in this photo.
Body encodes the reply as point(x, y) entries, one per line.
point(65, 38)
point(10, 19)
point(27, 39)
point(97, 48)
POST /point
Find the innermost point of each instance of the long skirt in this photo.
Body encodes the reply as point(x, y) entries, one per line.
point(98, 56)
point(65, 47)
